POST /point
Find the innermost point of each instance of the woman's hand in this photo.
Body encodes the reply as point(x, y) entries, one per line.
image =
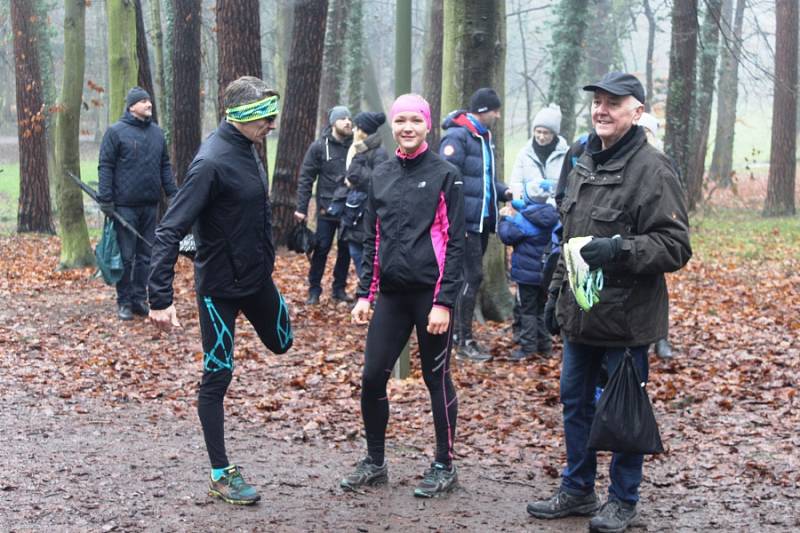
point(438, 320)
point(360, 312)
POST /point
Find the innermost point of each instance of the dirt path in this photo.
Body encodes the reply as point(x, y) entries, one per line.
point(99, 431)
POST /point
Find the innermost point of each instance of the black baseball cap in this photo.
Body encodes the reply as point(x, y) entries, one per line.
point(619, 84)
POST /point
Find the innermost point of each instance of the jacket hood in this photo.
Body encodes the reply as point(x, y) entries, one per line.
point(561, 148)
point(458, 119)
point(327, 133)
point(542, 215)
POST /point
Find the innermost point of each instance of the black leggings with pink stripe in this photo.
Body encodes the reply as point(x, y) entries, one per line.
point(394, 317)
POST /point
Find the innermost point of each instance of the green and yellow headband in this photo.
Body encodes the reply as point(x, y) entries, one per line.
point(268, 107)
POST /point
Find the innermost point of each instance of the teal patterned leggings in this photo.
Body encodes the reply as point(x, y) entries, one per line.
point(267, 312)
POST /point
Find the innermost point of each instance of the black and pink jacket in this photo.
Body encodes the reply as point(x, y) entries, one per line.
point(414, 220)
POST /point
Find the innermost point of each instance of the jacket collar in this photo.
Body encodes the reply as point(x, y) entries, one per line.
point(128, 118)
point(622, 153)
point(413, 159)
point(230, 134)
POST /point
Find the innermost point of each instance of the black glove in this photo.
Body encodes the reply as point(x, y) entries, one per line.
point(601, 250)
point(550, 320)
point(107, 208)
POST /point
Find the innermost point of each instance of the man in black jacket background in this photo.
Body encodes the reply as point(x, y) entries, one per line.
point(134, 167)
point(325, 160)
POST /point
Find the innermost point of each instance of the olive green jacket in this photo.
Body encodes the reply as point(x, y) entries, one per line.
point(637, 195)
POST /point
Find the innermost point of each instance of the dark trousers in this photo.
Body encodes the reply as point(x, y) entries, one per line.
point(395, 316)
point(474, 248)
point(529, 329)
point(580, 369)
point(326, 231)
point(135, 253)
point(267, 312)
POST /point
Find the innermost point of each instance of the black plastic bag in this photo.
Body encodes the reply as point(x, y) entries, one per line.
point(301, 239)
point(624, 420)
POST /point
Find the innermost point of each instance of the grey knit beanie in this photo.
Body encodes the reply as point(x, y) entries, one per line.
point(550, 118)
point(337, 113)
point(136, 94)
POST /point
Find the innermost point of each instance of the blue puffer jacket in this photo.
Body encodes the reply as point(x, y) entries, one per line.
point(134, 163)
point(463, 146)
point(529, 232)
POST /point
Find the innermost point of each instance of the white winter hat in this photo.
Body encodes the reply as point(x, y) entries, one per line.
point(649, 122)
point(550, 118)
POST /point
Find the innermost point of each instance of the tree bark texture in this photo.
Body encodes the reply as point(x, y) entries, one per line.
point(169, 73)
point(721, 169)
point(76, 251)
point(432, 70)
point(144, 77)
point(34, 213)
point(680, 96)
point(355, 55)
point(707, 62)
point(651, 44)
point(333, 63)
point(122, 58)
point(783, 157)
point(238, 43)
point(474, 57)
point(299, 118)
point(44, 27)
point(186, 113)
point(568, 53)
point(158, 47)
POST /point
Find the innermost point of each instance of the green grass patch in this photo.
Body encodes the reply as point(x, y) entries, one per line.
point(744, 235)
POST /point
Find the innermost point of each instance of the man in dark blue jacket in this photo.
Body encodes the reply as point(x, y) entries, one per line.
point(134, 167)
point(467, 143)
point(225, 201)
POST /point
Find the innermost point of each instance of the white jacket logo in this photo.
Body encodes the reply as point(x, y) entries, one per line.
point(421, 184)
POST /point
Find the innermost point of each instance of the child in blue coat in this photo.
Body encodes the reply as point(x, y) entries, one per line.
point(528, 226)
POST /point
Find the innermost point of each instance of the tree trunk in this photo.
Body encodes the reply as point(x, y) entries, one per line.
point(402, 48)
point(651, 45)
point(186, 111)
point(525, 73)
point(144, 78)
point(432, 70)
point(283, 41)
point(568, 52)
point(355, 56)
point(238, 43)
point(158, 47)
point(299, 118)
point(783, 158)
point(75, 249)
point(43, 9)
point(474, 57)
point(122, 59)
point(333, 63)
point(169, 74)
point(721, 170)
point(709, 50)
point(372, 93)
point(34, 212)
point(683, 51)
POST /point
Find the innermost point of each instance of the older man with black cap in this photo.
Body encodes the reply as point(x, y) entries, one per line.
point(467, 144)
point(624, 195)
point(325, 160)
point(134, 168)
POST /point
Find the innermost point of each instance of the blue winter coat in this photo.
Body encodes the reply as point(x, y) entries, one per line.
point(463, 146)
point(529, 232)
point(134, 163)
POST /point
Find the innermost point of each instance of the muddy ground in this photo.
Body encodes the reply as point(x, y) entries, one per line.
point(99, 431)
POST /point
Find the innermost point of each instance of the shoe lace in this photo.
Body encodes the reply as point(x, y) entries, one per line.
point(433, 475)
point(610, 509)
point(234, 478)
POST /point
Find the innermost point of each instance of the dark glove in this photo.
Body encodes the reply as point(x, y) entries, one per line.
point(550, 320)
point(601, 250)
point(107, 208)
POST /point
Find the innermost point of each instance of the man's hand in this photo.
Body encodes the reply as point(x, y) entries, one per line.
point(550, 320)
point(165, 319)
point(438, 320)
point(601, 251)
point(298, 216)
point(107, 208)
point(360, 312)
